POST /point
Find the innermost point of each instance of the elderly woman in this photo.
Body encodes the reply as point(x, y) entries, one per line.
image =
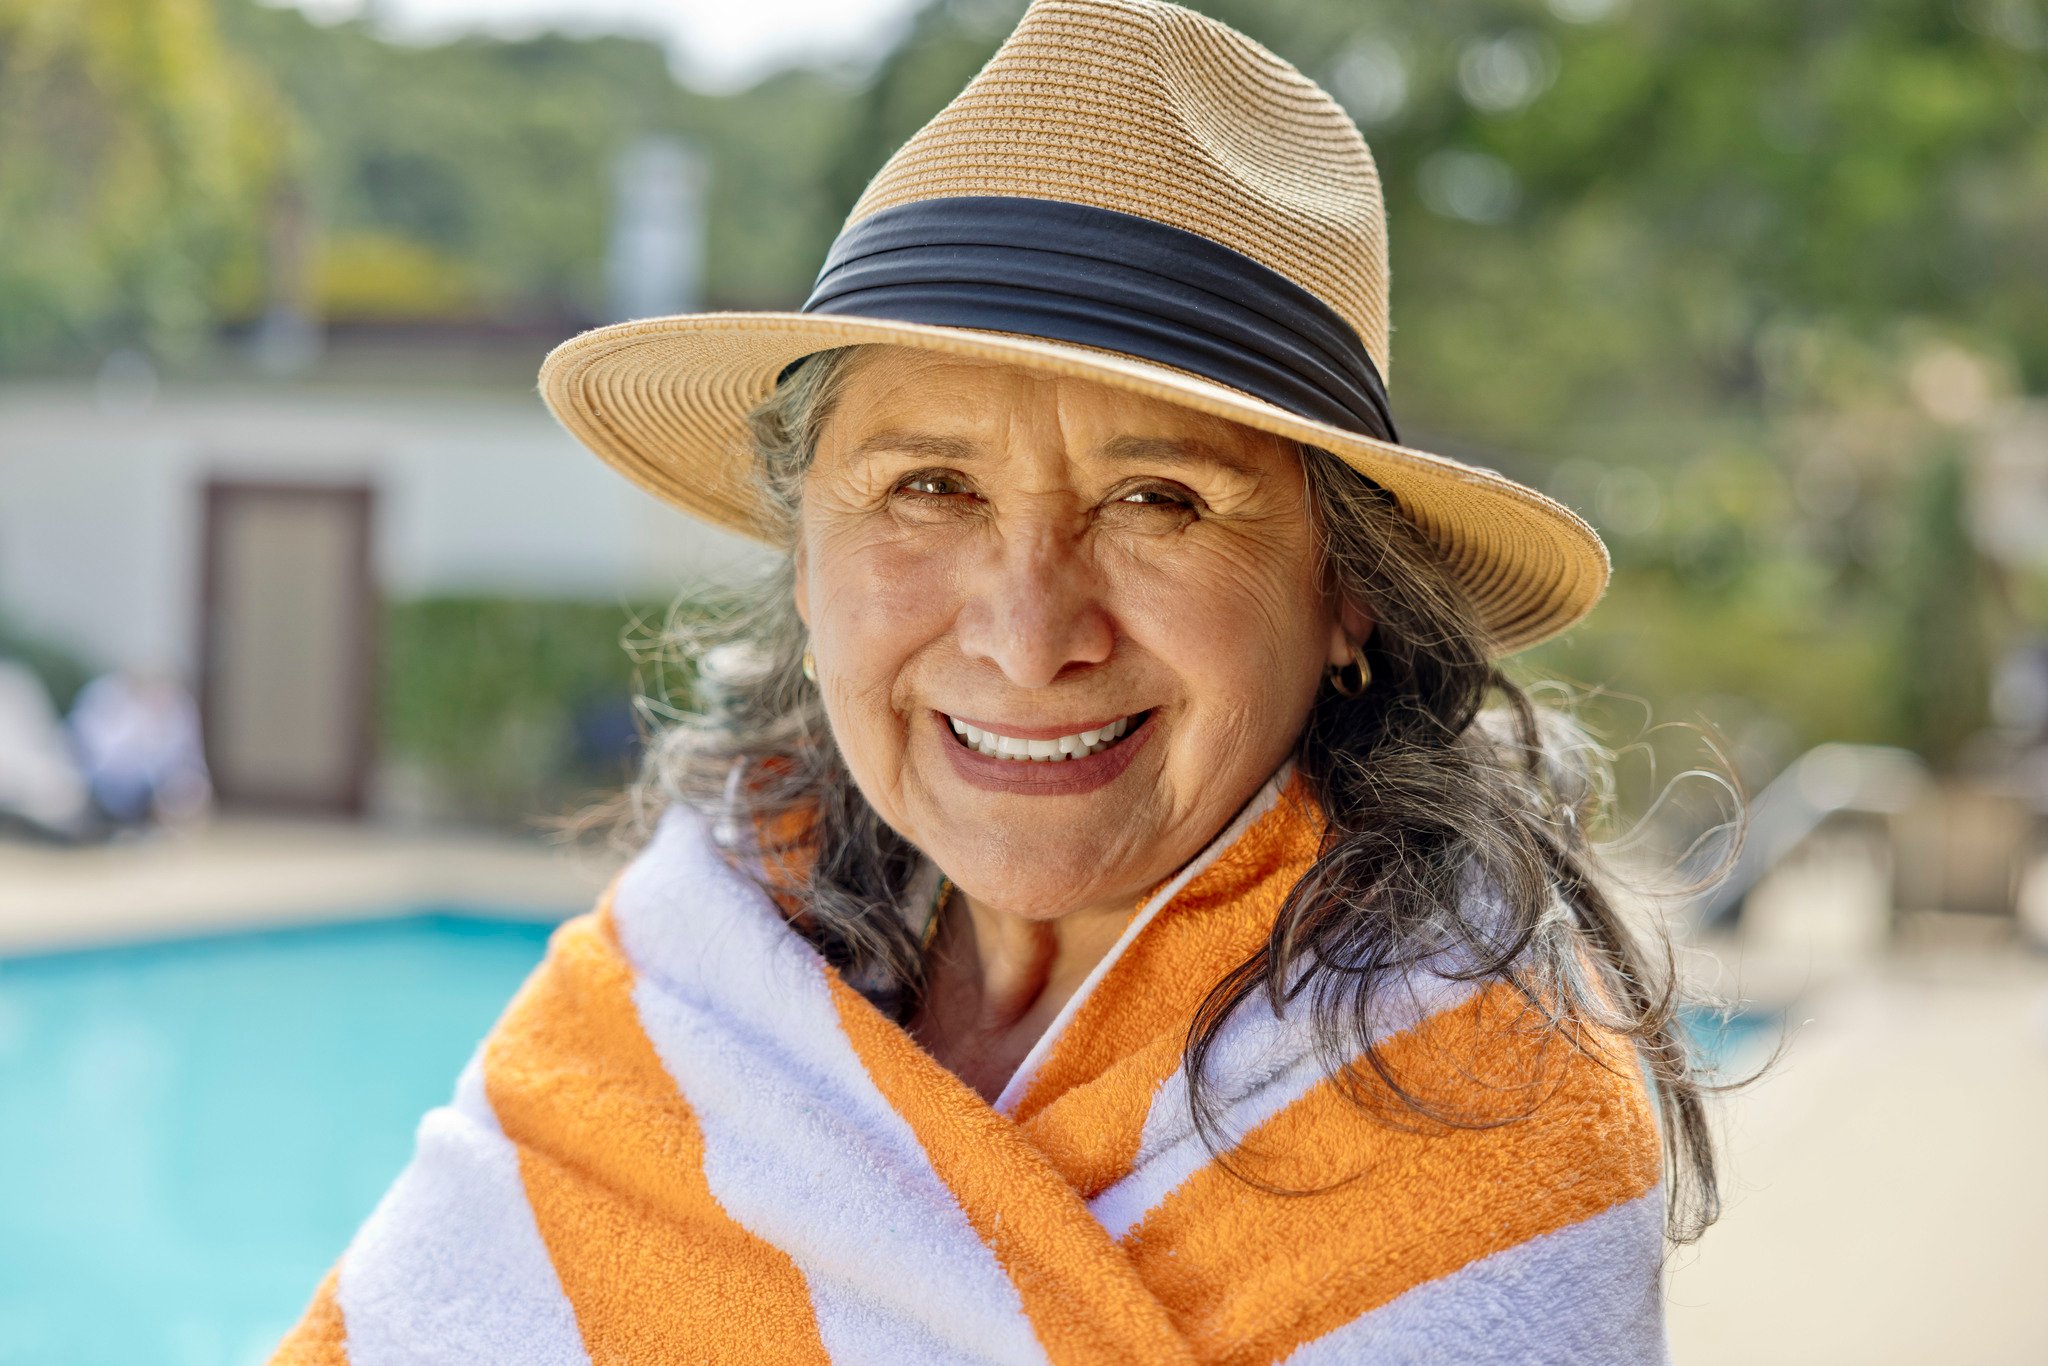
point(1092, 916)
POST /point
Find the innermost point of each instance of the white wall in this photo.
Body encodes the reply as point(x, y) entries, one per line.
point(100, 507)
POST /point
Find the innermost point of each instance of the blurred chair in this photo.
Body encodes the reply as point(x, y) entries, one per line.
point(1826, 781)
point(1963, 849)
point(42, 792)
point(137, 737)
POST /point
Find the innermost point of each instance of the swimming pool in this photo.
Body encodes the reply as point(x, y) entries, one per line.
point(190, 1131)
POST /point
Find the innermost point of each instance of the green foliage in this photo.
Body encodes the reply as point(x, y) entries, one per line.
point(484, 694)
point(496, 158)
point(1678, 263)
point(491, 156)
point(1942, 634)
point(135, 151)
point(63, 674)
point(372, 274)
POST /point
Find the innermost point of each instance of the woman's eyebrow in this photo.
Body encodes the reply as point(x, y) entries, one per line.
point(930, 445)
point(1175, 450)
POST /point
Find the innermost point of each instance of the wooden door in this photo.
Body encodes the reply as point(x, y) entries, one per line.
point(288, 645)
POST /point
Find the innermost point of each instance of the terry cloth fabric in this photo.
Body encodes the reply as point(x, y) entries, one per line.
point(688, 1140)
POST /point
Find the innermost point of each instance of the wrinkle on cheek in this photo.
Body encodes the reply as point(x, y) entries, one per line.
point(1233, 730)
point(1241, 598)
point(1239, 621)
point(877, 602)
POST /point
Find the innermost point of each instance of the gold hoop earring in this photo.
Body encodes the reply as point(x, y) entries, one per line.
point(1344, 687)
point(810, 665)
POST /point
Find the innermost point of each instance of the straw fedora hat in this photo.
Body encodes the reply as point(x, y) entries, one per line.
point(1131, 193)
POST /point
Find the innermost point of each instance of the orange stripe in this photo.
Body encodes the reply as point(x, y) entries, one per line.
point(1249, 1276)
point(318, 1339)
point(1077, 1287)
point(1091, 1134)
point(1086, 1107)
point(613, 1164)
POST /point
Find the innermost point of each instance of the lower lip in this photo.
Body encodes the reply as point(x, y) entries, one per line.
point(1044, 778)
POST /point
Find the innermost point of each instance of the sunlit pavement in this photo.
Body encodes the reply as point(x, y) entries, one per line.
point(243, 874)
point(1886, 1185)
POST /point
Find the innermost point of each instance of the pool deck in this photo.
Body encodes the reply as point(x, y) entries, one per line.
point(237, 874)
point(1885, 1186)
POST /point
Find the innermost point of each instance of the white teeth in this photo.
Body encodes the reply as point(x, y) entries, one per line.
point(1077, 746)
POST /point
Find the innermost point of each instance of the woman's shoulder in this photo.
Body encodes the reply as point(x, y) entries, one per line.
point(1471, 1076)
point(1479, 1185)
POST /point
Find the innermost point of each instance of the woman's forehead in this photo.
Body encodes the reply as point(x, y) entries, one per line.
point(905, 400)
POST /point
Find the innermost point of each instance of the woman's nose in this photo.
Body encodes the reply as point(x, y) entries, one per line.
point(1034, 607)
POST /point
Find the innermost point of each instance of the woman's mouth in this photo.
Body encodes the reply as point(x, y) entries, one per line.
point(1044, 761)
point(1023, 749)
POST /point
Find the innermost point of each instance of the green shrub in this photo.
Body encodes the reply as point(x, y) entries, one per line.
point(484, 695)
point(62, 672)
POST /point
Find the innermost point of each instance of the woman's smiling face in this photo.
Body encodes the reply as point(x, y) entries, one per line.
point(989, 557)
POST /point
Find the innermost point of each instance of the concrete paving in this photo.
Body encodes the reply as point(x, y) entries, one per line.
point(1886, 1185)
point(244, 874)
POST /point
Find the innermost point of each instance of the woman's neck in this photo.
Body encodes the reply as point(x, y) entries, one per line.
point(997, 981)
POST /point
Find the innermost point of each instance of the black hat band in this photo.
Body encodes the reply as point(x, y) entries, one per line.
point(1096, 277)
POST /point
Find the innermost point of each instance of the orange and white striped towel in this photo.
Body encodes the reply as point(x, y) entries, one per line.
point(688, 1140)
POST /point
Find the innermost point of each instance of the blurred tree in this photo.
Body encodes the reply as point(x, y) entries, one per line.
point(1942, 631)
point(473, 178)
point(1673, 262)
point(462, 180)
point(136, 151)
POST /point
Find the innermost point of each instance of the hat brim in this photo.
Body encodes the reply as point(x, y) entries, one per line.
point(665, 401)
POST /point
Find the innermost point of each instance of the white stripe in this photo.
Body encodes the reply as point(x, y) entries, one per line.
point(1261, 1063)
point(450, 1266)
point(1262, 801)
point(1588, 1294)
point(800, 1147)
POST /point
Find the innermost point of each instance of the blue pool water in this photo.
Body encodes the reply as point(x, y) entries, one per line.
point(191, 1131)
point(1736, 1044)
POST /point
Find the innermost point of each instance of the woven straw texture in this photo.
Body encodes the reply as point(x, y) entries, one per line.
point(1155, 110)
point(1145, 108)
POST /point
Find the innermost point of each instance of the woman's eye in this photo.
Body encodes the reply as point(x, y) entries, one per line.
point(1155, 498)
point(931, 485)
